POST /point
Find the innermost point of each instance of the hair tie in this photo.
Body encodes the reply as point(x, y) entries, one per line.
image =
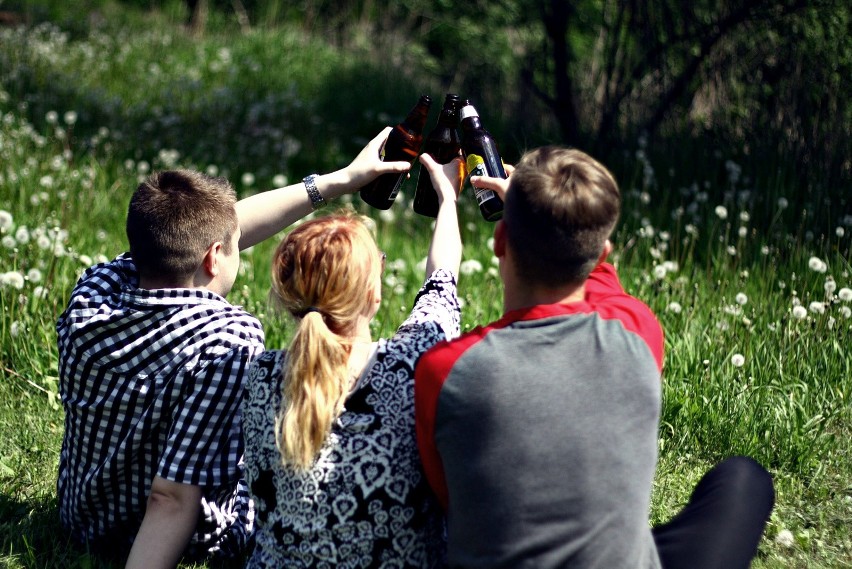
point(311, 309)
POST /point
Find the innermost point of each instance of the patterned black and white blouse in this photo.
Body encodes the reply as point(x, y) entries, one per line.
point(365, 501)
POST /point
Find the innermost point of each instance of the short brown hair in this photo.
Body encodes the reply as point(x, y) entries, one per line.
point(174, 216)
point(561, 207)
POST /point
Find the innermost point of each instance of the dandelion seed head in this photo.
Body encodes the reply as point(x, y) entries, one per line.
point(737, 360)
point(846, 312)
point(279, 181)
point(830, 286)
point(800, 312)
point(785, 538)
point(212, 170)
point(741, 298)
point(40, 292)
point(470, 267)
point(70, 118)
point(22, 234)
point(845, 294)
point(659, 272)
point(817, 307)
point(783, 203)
point(817, 265)
point(387, 215)
point(745, 216)
point(674, 307)
point(34, 275)
point(6, 221)
point(12, 279)
point(839, 231)
point(9, 242)
point(742, 232)
point(732, 251)
point(51, 117)
point(721, 212)
point(15, 329)
point(247, 179)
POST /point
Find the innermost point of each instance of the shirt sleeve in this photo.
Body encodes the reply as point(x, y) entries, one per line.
point(605, 292)
point(204, 443)
point(437, 302)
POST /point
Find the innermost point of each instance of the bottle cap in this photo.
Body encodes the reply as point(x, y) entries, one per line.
point(467, 111)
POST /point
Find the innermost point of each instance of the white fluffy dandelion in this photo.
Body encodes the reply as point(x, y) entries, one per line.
point(279, 181)
point(741, 298)
point(470, 267)
point(846, 312)
point(800, 312)
point(247, 179)
point(721, 212)
point(830, 286)
point(817, 265)
point(674, 307)
point(387, 215)
point(817, 307)
point(6, 221)
point(12, 279)
point(22, 234)
point(845, 294)
point(783, 203)
point(737, 360)
point(785, 538)
point(34, 275)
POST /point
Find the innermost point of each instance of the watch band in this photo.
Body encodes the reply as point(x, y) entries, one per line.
point(317, 200)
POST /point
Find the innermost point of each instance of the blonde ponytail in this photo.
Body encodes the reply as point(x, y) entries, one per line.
point(314, 386)
point(324, 273)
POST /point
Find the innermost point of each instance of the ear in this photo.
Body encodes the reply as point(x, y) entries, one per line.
point(500, 239)
point(607, 249)
point(211, 259)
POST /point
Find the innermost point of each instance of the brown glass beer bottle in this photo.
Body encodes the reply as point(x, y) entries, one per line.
point(481, 159)
point(442, 144)
point(403, 144)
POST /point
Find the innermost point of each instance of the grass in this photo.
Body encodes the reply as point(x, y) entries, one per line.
point(729, 269)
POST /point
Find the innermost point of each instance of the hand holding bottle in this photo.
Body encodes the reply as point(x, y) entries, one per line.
point(445, 178)
point(498, 185)
point(368, 165)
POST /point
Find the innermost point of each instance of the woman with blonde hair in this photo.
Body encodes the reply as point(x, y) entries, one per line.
point(331, 456)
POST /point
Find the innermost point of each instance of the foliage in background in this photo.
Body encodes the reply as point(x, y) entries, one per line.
point(750, 276)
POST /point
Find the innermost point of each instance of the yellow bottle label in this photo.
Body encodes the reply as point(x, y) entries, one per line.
point(476, 167)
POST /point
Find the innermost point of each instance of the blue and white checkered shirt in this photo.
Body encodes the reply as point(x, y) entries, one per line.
point(151, 382)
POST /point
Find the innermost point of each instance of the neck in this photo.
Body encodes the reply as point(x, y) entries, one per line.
point(525, 296)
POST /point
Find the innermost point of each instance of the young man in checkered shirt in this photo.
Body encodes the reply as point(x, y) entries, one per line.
point(151, 363)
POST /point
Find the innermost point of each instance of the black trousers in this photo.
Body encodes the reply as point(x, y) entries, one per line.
point(721, 525)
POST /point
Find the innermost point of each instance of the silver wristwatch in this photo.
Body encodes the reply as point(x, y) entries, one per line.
point(317, 200)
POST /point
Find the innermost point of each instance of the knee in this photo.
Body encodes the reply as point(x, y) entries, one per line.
point(749, 479)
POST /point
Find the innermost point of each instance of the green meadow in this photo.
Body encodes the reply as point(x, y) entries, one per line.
point(750, 277)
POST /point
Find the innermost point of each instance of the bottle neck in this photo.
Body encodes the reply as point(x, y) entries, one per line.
point(471, 123)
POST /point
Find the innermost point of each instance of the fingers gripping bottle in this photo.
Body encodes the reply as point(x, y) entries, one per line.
point(482, 159)
point(442, 144)
point(403, 144)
